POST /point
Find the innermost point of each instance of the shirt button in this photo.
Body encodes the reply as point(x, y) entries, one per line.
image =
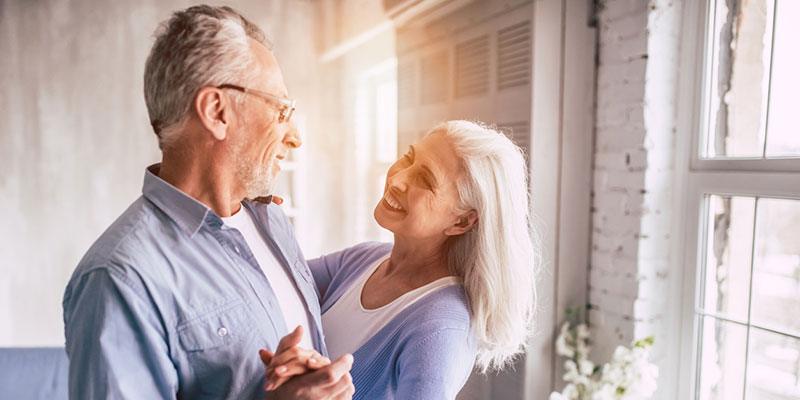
point(222, 331)
point(236, 248)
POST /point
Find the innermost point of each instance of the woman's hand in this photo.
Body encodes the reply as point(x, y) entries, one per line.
point(290, 360)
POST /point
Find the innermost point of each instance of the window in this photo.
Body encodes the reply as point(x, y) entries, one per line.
point(376, 147)
point(751, 79)
point(742, 187)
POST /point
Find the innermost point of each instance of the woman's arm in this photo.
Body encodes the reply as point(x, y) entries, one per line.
point(437, 366)
point(325, 268)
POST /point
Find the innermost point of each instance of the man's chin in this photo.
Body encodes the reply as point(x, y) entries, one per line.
point(260, 188)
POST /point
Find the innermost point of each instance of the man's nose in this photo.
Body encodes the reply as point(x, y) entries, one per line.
point(292, 137)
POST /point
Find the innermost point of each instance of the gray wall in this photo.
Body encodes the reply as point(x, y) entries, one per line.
point(75, 137)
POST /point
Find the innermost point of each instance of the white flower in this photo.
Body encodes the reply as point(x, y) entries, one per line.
point(562, 346)
point(570, 392)
point(628, 376)
point(586, 367)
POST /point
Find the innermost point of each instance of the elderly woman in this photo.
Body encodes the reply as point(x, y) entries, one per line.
point(454, 290)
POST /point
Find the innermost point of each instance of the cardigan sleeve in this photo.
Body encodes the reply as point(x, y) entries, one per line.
point(436, 367)
point(324, 268)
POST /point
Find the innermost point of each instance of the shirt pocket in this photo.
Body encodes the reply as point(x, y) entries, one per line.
point(222, 349)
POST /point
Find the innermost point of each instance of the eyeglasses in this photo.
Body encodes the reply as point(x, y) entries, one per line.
point(286, 110)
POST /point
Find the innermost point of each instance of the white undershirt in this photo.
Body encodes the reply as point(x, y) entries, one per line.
point(348, 325)
point(292, 306)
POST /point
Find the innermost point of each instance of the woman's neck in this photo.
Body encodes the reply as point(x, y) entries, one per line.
point(410, 266)
point(417, 261)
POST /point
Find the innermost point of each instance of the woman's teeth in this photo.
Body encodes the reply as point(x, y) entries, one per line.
point(392, 202)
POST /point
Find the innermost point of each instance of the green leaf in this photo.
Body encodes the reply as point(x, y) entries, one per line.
point(645, 343)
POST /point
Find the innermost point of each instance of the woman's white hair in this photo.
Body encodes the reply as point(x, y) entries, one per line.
point(496, 258)
point(198, 47)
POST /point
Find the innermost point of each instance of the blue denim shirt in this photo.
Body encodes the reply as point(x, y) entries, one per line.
point(170, 303)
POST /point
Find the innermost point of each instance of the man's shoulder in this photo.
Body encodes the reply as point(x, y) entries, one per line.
point(130, 237)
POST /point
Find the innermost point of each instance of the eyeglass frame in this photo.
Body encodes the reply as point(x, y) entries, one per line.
point(288, 104)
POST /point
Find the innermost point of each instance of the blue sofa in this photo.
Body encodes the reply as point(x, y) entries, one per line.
point(33, 373)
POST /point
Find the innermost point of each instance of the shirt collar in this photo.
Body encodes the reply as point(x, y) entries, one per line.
point(187, 212)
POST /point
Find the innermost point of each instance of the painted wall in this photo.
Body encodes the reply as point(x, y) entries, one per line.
point(75, 137)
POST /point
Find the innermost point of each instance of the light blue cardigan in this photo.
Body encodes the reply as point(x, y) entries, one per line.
point(425, 352)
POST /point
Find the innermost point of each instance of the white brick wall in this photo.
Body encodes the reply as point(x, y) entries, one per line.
point(632, 203)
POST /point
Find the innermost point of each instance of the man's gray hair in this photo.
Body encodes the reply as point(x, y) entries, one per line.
point(198, 47)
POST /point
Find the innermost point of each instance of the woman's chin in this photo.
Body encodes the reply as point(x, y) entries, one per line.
point(382, 218)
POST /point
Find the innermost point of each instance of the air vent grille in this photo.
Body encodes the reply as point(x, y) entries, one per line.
point(514, 56)
point(405, 85)
point(519, 133)
point(472, 67)
point(434, 78)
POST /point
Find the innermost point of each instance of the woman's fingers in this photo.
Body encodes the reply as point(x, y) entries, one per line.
point(290, 340)
point(285, 372)
point(266, 356)
point(344, 388)
point(318, 361)
point(295, 361)
point(290, 360)
point(306, 357)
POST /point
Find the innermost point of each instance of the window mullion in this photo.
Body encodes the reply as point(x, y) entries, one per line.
point(750, 298)
point(769, 81)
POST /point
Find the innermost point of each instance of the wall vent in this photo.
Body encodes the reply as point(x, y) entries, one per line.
point(406, 79)
point(434, 78)
point(514, 56)
point(472, 67)
point(519, 133)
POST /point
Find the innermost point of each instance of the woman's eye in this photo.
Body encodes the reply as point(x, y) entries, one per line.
point(425, 182)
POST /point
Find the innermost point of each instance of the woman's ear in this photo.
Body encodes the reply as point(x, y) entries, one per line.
point(465, 223)
point(214, 111)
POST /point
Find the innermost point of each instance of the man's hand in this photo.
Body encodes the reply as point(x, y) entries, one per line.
point(332, 382)
point(291, 360)
point(291, 367)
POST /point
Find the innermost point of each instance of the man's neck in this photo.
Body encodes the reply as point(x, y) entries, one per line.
point(204, 182)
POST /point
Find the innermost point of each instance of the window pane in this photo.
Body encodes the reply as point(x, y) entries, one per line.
point(773, 367)
point(739, 77)
point(783, 135)
point(386, 122)
point(729, 250)
point(722, 352)
point(776, 274)
point(284, 185)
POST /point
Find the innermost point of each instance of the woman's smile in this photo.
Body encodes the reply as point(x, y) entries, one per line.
point(391, 202)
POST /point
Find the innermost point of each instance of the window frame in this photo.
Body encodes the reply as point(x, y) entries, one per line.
point(696, 177)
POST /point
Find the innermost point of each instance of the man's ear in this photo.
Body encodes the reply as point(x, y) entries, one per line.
point(214, 111)
point(465, 223)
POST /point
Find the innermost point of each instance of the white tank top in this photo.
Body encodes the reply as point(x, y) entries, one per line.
point(348, 325)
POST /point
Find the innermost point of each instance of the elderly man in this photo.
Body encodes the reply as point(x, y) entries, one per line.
point(176, 298)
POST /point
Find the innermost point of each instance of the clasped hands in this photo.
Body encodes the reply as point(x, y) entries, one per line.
point(293, 372)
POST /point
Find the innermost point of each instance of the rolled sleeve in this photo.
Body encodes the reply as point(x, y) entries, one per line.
point(116, 344)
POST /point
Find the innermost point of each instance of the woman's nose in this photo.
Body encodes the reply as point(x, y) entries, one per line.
point(399, 180)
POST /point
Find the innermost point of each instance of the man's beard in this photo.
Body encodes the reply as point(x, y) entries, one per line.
point(256, 178)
